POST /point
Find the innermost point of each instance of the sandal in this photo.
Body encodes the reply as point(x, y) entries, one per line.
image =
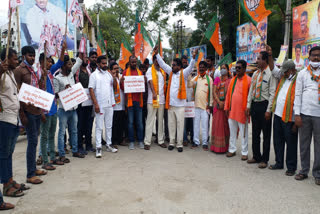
point(48, 166)
point(64, 160)
point(23, 187)
point(15, 193)
point(57, 162)
point(290, 173)
point(39, 161)
point(300, 177)
point(275, 166)
point(40, 172)
point(6, 206)
point(34, 180)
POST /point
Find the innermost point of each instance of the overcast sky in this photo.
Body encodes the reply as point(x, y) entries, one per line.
point(189, 21)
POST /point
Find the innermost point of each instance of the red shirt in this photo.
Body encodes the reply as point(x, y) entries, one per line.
point(135, 96)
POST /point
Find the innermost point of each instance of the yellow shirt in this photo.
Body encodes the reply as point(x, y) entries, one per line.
point(201, 95)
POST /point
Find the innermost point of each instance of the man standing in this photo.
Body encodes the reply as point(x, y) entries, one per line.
point(259, 106)
point(307, 115)
point(211, 71)
point(62, 81)
point(156, 78)
point(134, 105)
point(92, 66)
point(101, 86)
point(203, 100)
point(235, 107)
point(9, 129)
point(29, 114)
point(176, 97)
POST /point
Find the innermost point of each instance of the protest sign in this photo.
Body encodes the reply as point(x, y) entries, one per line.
point(35, 96)
point(88, 102)
point(72, 96)
point(249, 43)
point(305, 32)
point(134, 84)
point(189, 110)
point(282, 54)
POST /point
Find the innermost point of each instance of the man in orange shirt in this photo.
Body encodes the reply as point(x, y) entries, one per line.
point(235, 106)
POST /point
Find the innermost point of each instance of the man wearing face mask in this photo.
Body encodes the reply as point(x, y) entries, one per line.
point(101, 85)
point(176, 96)
point(62, 81)
point(259, 106)
point(307, 115)
point(203, 100)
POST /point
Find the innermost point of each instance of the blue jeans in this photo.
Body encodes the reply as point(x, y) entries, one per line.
point(32, 130)
point(135, 114)
point(8, 138)
point(67, 119)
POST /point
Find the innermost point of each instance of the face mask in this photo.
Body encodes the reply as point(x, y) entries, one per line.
point(223, 72)
point(314, 64)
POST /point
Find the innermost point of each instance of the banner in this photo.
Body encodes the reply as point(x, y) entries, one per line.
point(72, 96)
point(134, 84)
point(249, 43)
point(189, 110)
point(188, 52)
point(35, 14)
point(305, 31)
point(282, 54)
point(35, 96)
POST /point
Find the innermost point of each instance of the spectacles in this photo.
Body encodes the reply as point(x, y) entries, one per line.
point(238, 67)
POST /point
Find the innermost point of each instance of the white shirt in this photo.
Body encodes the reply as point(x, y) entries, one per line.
point(175, 82)
point(120, 106)
point(281, 100)
point(161, 81)
point(102, 84)
point(306, 98)
point(314, 29)
point(299, 65)
point(36, 18)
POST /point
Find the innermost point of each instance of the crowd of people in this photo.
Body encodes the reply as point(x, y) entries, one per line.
point(288, 97)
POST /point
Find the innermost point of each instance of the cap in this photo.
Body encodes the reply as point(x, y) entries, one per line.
point(288, 64)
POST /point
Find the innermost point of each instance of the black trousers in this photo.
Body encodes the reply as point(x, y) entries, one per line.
point(85, 123)
point(166, 127)
point(259, 123)
point(282, 135)
point(118, 127)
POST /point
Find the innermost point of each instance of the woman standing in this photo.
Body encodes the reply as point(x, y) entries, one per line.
point(220, 127)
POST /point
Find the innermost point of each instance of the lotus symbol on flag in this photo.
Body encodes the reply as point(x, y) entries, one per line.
point(253, 4)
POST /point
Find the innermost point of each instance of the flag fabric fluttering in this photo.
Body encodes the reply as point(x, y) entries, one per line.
point(213, 34)
point(255, 10)
point(159, 43)
point(227, 59)
point(82, 45)
point(101, 47)
point(125, 53)
point(13, 4)
point(75, 14)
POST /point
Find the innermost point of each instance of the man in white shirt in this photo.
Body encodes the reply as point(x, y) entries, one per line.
point(101, 86)
point(307, 115)
point(176, 97)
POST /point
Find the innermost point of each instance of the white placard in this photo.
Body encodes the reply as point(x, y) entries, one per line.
point(72, 96)
point(189, 110)
point(134, 84)
point(35, 96)
point(88, 102)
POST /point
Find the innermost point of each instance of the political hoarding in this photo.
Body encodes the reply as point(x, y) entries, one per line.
point(305, 31)
point(249, 42)
point(188, 52)
point(35, 14)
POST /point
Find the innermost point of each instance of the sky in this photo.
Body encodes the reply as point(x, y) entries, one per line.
point(189, 21)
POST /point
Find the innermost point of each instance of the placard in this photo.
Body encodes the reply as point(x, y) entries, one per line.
point(72, 96)
point(282, 54)
point(88, 102)
point(35, 96)
point(189, 111)
point(134, 84)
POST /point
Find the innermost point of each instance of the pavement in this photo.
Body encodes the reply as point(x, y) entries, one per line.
point(163, 182)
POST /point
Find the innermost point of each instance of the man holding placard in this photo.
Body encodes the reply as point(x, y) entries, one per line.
point(101, 86)
point(176, 96)
point(67, 118)
point(29, 114)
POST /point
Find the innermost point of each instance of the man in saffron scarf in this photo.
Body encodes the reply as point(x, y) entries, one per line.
point(176, 96)
point(235, 107)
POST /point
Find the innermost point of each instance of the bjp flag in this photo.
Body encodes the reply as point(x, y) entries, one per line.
point(214, 36)
point(125, 54)
point(255, 10)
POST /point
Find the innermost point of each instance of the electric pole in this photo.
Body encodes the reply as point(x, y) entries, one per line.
point(287, 25)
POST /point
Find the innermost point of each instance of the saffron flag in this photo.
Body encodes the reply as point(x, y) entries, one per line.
point(125, 54)
point(146, 43)
point(255, 10)
point(213, 34)
point(75, 13)
point(137, 37)
point(200, 58)
point(159, 43)
point(101, 47)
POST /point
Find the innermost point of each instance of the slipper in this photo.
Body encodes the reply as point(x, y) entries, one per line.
point(57, 162)
point(300, 177)
point(64, 159)
point(23, 187)
point(39, 161)
point(275, 166)
point(15, 193)
point(6, 206)
point(48, 166)
point(34, 180)
point(290, 173)
point(40, 172)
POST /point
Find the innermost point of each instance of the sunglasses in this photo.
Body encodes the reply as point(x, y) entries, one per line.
point(238, 67)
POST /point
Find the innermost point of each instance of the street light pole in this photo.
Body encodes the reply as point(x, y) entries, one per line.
point(287, 25)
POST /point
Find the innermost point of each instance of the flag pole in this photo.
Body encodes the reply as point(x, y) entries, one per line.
point(201, 40)
point(18, 28)
point(9, 33)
